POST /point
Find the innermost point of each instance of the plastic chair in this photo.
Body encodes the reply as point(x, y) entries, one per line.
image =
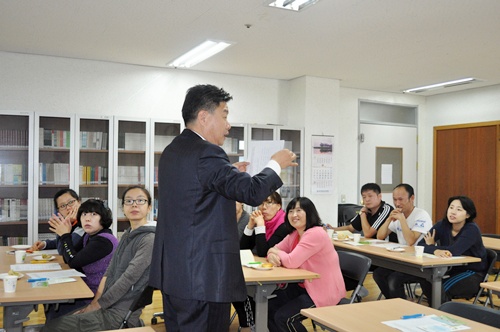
point(491, 258)
point(355, 267)
point(144, 299)
point(473, 312)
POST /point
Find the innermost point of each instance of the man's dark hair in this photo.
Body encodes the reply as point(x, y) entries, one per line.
point(371, 186)
point(407, 187)
point(198, 97)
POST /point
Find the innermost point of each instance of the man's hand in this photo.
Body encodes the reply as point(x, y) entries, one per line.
point(285, 158)
point(241, 165)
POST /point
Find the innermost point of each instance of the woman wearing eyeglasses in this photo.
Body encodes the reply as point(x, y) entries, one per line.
point(92, 254)
point(127, 274)
point(66, 202)
point(265, 229)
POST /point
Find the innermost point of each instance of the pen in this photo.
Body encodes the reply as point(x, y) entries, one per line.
point(38, 279)
point(412, 316)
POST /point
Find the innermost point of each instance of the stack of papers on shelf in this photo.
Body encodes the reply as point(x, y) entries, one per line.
point(431, 323)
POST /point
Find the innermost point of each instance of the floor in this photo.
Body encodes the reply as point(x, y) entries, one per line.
point(37, 318)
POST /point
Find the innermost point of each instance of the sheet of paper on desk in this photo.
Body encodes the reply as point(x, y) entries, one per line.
point(56, 274)
point(431, 323)
point(389, 245)
point(35, 267)
point(353, 243)
point(246, 256)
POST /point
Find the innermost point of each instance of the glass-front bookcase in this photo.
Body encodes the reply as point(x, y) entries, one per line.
point(54, 158)
point(15, 190)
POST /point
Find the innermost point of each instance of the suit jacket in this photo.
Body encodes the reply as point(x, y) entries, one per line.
point(196, 249)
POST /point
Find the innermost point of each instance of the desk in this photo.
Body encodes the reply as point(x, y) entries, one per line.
point(432, 269)
point(261, 284)
point(368, 316)
point(18, 305)
point(492, 243)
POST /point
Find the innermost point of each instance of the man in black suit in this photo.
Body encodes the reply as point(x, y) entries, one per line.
point(196, 260)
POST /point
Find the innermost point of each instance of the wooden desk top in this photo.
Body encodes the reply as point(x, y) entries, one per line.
point(341, 317)
point(25, 293)
point(493, 285)
point(407, 256)
point(491, 243)
point(277, 274)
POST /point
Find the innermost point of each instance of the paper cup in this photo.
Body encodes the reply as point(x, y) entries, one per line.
point(20, 256)
point(419, 251)
point(356, 237)
point(330, 233)
point(9, 284)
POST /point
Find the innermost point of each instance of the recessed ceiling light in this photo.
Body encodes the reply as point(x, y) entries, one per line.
point(441, 85)
point(295, 5)
point(201, 52)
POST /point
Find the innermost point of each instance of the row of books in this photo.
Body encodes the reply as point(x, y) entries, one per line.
point(13, 209)
point(13, 174)
point(93, 140)
point(131, 174)
point(137, 141)
point(53, 138)
point(14, 138)
point(8, 241)
point(93, 175)
point(232, 145)
point(53, 173)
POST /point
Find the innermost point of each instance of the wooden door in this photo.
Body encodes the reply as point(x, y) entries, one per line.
point(466, 162)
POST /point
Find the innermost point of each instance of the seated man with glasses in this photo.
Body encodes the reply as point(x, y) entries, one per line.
point(67, 203)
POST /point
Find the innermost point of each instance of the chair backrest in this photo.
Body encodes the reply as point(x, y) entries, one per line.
point(473, 312)
point(495, 236)
point(346, 212)
point(144, 299)
point(354, 266)
point(491, 258)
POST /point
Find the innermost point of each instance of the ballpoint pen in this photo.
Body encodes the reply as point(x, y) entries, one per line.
point(412, 316)
point(37, 279)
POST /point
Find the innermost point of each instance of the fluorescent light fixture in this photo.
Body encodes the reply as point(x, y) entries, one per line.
point(201, 52)
point(295, 5)
point(442, 85)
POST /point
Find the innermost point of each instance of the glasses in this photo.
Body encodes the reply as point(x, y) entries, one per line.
point(70, 204)
point(267, 204)
point(139, 201)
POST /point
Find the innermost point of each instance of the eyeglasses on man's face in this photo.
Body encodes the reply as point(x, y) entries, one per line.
point(139, 201)
point(70, 204)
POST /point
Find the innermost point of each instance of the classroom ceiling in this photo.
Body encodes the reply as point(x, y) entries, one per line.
point(382, 45)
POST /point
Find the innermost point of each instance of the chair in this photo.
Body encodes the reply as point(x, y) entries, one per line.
point(473, 312)
point(355, 267)
point(495, 236)
point(144, 299)
point(346, 212)
point(491, 258)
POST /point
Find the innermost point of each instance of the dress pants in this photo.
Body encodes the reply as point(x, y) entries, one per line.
point(183, 315)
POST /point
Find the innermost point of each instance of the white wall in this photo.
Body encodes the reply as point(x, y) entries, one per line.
point(61, 86)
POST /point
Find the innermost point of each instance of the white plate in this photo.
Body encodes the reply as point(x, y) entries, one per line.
point(20, 246)
point(2, 275)
point(396, 249)
point(40, 258)
point(262, 268)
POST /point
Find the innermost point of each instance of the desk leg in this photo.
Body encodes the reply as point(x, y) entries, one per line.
point(261, 293)
point(436, 281)
point(14, 316)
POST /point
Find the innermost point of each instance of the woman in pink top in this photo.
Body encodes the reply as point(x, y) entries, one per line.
point(307, 247)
